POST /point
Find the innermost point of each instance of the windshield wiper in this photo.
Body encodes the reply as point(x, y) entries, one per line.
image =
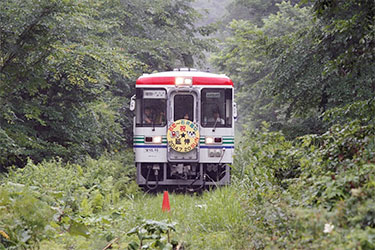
point(213, 130)
point(153, 121)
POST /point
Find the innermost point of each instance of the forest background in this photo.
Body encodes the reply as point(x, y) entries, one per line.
point(305, 82)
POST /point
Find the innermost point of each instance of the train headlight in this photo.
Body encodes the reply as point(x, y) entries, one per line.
point(183, 81)
point(156, 139)
point(209, 140)
point(213, 140)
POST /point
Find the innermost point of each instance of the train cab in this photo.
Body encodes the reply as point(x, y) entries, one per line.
point(183, 129)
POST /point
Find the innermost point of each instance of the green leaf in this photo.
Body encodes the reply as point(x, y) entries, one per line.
point(78, 229)
point(133, 246)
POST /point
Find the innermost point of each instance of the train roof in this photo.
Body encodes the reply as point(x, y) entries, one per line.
point(198, 78)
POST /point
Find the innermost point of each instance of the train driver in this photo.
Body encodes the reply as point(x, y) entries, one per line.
point(149, 117)
point(215, 119)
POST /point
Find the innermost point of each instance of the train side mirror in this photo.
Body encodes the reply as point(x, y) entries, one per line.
point(235, 111)
point(132, 103)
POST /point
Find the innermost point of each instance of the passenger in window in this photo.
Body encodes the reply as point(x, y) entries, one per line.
point(186, 116)
point(147, 117)
point(160, 120)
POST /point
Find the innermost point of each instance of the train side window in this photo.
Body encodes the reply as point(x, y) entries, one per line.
point(228, 107)
point(216, 108)
point(150, 108)
point(138, 107)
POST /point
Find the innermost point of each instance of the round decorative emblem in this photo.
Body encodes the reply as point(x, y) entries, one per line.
point(183, 135)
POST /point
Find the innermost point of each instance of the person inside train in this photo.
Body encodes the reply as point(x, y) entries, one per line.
point(150, 119)
point(147, 116)
point(160, 119)
point(217, 118)
point(214, 119)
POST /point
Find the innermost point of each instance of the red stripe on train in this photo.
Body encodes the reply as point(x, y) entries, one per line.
point(196, 81)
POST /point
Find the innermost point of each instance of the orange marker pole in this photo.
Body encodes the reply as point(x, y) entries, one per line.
point(165, 207)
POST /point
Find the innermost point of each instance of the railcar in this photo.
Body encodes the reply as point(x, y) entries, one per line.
point(183, 129)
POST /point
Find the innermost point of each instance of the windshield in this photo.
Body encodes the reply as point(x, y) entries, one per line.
point(216, 107)
point(184, 107)
point(151, 108)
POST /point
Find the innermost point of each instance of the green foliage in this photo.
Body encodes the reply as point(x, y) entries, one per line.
point(49, 79)
point(300, 62)
point(253, 10)
point(40, 201)
point(348, 37)
point(213, 220)
point(67, 71)
point(268, 155)
point(333, 58)
point(153, 231)
point(23, 217)
point(249, 56)
point(162, 34)
point(343, 162)
point(361, 111)
point(316, 190)
point(86, 206)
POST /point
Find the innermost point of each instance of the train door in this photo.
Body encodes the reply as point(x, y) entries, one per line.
point(183, 128)
point(183, 107)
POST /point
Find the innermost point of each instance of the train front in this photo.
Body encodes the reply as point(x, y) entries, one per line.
point(183, 130)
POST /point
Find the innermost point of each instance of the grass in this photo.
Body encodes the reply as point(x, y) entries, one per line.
point(89, 205)
point(207, 221)
point(52, 204)
point(212, 220)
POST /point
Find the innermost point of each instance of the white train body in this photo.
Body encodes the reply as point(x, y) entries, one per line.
point(183, 129)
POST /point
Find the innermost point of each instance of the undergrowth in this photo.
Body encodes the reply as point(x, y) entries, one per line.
point(96, 204)
point(316, 192)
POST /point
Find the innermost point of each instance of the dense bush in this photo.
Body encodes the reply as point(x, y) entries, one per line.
point(315, 190)
point(24, 218)
point(42, 201)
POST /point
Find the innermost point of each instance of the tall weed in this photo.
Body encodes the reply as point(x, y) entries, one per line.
point(294, 190)
point(40, 200)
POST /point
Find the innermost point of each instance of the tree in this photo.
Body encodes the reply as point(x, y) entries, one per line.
point(318, 60)
point(253, 10)
point(54, 64)
point(334, 60)
point(67, 70)
point(162, 35)
point(249, 57)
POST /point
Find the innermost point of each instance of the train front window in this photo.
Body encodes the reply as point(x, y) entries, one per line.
point(151, 108)
point(216, 108)
point(184, 107)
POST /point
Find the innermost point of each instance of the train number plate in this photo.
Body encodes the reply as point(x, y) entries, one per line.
point(151, 150)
